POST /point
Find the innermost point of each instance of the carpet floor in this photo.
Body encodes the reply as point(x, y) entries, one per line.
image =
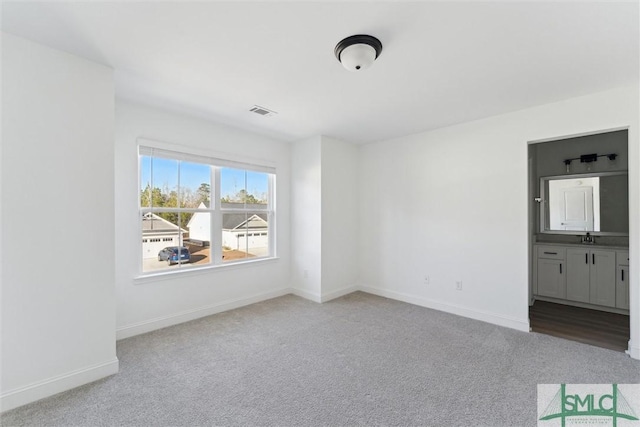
point(357, 360)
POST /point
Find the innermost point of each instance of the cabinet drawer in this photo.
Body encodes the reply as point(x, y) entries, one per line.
point(551, 252)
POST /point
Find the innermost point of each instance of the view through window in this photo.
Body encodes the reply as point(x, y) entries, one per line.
point(198, 211)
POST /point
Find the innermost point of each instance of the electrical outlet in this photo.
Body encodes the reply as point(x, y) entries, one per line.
point(426, 280)
point(459, 285)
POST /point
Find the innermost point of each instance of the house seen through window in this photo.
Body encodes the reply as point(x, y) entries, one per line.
point(199, 211)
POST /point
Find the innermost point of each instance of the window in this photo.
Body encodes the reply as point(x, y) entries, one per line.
point(199, 211)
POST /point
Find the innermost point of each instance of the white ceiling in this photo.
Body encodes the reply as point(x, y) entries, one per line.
point(442, 62)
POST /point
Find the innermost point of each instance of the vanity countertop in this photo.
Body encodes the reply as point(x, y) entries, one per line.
point(584, 245)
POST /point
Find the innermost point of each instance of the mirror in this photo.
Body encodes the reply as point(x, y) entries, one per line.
point(575, 204)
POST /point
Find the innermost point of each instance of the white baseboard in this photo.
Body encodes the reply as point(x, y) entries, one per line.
point(328, 296)
point(311, 296)
point(509, 322)
point(187, 315)
point(49, 387)
point(338, 293)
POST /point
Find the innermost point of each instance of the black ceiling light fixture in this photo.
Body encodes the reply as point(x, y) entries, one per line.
point(358, 52)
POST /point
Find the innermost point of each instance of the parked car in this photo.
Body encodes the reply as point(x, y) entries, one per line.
point(174, 255)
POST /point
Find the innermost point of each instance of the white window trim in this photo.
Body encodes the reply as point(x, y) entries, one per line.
point(204, 269)
point(217, 161)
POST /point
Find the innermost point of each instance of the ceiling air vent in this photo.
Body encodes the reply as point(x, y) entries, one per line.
point(262, 111)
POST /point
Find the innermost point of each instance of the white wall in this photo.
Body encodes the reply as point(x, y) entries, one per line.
point(58, 299)
point(451, 204)
point(324, 218)
point(149, 303)
point(306, 217)
point(340, 217)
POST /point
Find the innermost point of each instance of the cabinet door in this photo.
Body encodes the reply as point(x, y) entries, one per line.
point(551, 278)
point(622, 287)
point(603, 278)
point(578, 274)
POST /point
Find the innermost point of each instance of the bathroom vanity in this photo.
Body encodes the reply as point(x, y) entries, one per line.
point(591, 276)
point(569, 266)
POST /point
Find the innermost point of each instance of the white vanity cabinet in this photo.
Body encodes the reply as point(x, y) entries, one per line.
point(550, 271)
point(578, 275)
point(603, 273)
point(622, 280)
point(589, 276)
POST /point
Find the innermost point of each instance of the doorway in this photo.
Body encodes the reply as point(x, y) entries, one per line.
point(579, 239)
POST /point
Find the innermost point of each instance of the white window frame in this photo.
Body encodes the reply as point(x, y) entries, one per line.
point(216, 161)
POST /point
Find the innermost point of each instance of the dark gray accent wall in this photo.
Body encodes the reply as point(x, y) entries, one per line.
point(614, 203)
point(550, 155)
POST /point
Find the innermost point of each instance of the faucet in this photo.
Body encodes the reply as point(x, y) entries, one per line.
point(588, 238)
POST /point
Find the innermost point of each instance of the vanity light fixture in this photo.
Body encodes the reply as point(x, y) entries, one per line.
point(589, 158)
point(358, 52)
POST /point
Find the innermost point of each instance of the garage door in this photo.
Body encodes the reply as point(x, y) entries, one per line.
point(152, 245)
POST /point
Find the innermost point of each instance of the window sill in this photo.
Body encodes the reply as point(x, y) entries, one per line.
point(195, 271)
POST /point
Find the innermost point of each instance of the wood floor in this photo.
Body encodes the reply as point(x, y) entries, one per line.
point(593, 327)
